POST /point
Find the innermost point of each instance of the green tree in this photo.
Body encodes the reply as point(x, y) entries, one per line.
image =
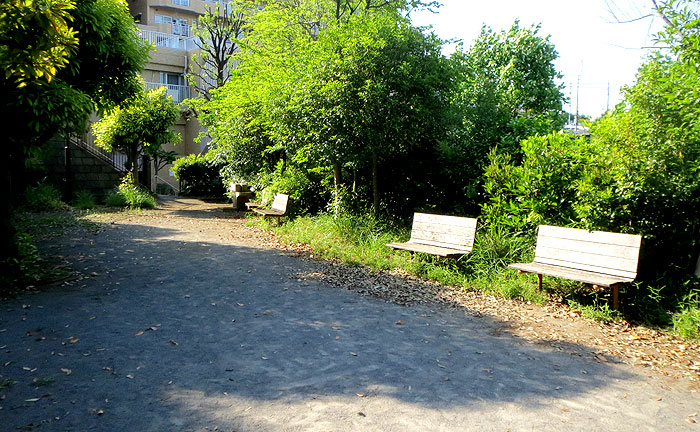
point(62, 60)
point(27, 55)
point(142, 124)
point(638, 174)
point(508, 92)
point(357, 92)
point(217, 33)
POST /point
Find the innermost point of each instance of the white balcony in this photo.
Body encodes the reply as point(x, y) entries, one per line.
point(178, 92)
point(167, 40)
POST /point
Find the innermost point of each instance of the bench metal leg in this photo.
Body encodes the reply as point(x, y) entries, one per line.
point(539, 282)
point(615, 296)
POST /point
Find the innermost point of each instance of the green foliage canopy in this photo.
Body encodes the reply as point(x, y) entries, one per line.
point(508, 91)
point(142, 123)
point(341, 100)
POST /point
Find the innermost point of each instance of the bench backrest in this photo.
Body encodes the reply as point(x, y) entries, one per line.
point(280, 202)
point(446, 231)
point(597, 251)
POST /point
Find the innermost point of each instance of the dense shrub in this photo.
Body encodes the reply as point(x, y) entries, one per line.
point(84, 200)
point(43, 197)
point(637, 174)
point(128, 194)
point(199, 175)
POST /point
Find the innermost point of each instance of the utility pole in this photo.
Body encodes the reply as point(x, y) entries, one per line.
point(578, 85)
point(571, 100)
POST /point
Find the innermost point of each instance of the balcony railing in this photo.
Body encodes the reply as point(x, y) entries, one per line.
point(178, 92)
point(167, 40)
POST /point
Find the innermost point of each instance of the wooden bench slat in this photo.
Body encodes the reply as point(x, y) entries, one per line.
point(445, 236)
point(571, 274)
point(603, 237)
point(621, 251)
point(269, 212)
point(585, 261)
point(458, 221)
point(586, 268)
point(453, 239)
point(278, 208)
point(430, 249)
point(592, 257)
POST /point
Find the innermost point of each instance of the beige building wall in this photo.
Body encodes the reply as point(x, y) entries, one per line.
point(167, 24)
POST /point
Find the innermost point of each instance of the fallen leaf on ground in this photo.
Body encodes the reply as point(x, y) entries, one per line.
point(139, 333)
point(66, 371)
point(74, 340)
point(172, 342)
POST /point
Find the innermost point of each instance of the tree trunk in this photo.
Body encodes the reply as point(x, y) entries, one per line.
point(133, 158)
point(8, 248)
point(697, 267)
point(375, 185)
point(337, 183)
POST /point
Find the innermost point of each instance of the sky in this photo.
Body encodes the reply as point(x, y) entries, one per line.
point(596, 51)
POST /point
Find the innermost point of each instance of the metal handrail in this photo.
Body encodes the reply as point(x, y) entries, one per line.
point(167, 40)
point(176, 187)
point(178, 92)
point(115, 159)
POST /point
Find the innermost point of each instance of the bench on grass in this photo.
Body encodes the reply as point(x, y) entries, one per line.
point(277, 209)
point(444, 236)
point(598, 258)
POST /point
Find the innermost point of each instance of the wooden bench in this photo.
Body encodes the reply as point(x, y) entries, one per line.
point(444, 236)
point(277, 209)
point(598, 258)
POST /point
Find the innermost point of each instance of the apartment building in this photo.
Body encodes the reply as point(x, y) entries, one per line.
point(167, 25)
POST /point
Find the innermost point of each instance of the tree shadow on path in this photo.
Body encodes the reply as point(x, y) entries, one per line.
point(174, 334)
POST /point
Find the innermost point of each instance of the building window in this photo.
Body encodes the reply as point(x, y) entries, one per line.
point(174, 79)
point(162, 19)
point(180, 27)
point(181, 2)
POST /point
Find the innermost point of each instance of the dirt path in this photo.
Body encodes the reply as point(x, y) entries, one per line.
point(185, 319)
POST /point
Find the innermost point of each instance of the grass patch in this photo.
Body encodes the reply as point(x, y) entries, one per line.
point(49, 225)
point(128, 194)
point(43, 197)
point(354, 240)
point(686, 323)
point(84, 200)
point(509, 284)
point(362, 240)
point(597, 311)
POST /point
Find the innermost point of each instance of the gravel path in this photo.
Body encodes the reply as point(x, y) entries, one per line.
point(184, 321)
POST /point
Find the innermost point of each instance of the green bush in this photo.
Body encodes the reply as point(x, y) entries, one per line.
point(638, 173)
point(84, 200)
point(128, 194)
point(687, 322)
point(115, 199)
point(495, 248)
point(43, 197)
point(24, 268)
point(199, 175)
